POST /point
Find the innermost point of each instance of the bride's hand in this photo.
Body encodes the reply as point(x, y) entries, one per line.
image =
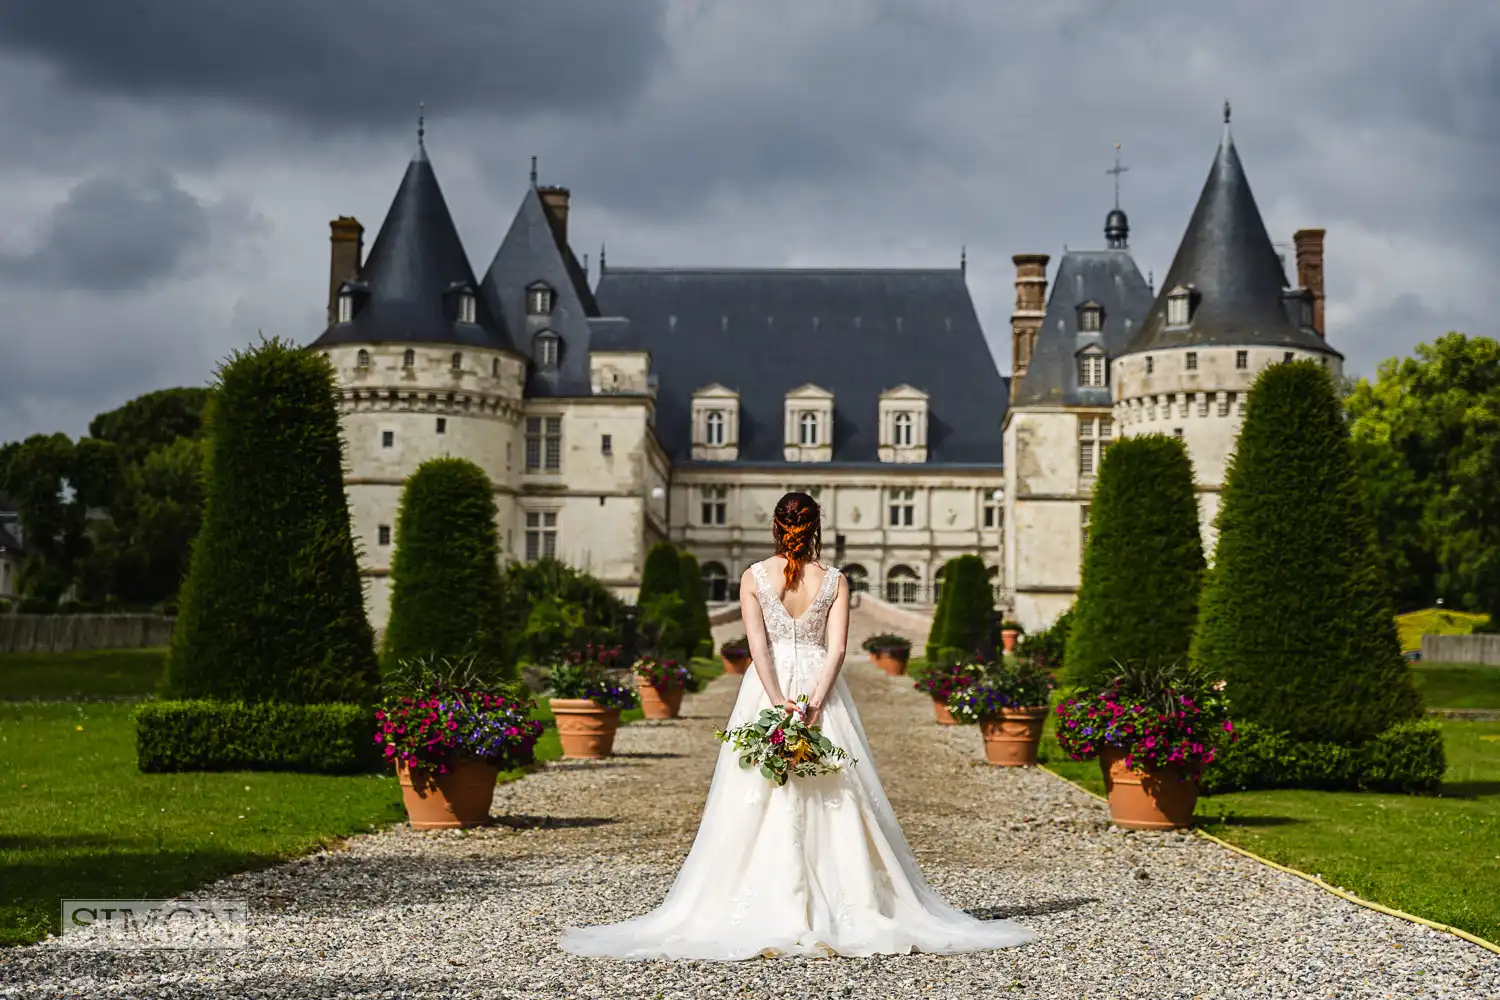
point(810, 713)
point(789, 705)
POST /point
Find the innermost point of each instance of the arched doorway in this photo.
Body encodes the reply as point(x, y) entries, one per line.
point(858, 577)
point(901, 585)
point(937, 583)
point(715, 582)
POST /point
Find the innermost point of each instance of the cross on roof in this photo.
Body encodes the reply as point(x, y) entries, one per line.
point(1117, 170)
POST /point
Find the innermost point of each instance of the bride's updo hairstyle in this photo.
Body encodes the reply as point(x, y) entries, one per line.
point(797, 526)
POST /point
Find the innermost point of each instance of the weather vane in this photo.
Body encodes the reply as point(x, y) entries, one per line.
point(1117, 170)
point(421, 121)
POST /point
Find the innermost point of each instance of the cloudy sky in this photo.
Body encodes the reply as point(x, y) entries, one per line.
point(168, 170)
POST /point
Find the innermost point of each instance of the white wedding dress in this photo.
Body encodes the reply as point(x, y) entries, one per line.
point(816, 867)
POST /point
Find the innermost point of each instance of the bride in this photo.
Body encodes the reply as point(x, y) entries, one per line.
point(818, 866)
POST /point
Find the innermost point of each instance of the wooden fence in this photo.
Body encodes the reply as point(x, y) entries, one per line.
point(73, 633)
point(1483, 649)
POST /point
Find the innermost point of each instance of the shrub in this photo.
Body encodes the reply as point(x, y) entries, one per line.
point(970, 605)
point(1142, 571)
point(696, 629)
point(939, 679)
point(659, 601)
point(272, 608)
point(1408, 757)
point(1048, 648)
point(577, 610)
point(445, 576)
point(204, 735)
point(934, 650)
point(438, 712)
point(1003, 685)
point(1297, 614)
point(885, 642)
point(735, 648)
point(589, 678)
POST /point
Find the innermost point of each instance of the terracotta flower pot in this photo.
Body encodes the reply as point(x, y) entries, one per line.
point(892, 661)
point(445, 801)
point(1142, 799)
point(657, 703)
point(940, 709)
point(1008, 639)
point(1012, 739)
point(585, 728)
point(736, 664)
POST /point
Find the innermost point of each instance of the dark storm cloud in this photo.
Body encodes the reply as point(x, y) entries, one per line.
point(348, 66)
point(116, 234)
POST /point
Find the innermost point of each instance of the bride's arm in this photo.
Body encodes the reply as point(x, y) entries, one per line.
point(754, 621)
point(838, 642)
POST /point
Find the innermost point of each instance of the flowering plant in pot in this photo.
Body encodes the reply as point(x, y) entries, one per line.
point(586, 702)
point(942, 678)
point(889, 652)
point(1009, 703)
point(1154, 729)
point(736, 655)
point(662, 684)
point(450, 731)
point(1009, 631)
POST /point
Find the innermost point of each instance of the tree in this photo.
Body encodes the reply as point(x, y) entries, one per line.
point(1427, 434)
point(696, 627)
point(538, 611)
point(445, 575)
point(660, 578)
point(969, 606)
point(272, 608)
point(1296, 615)
point(152, 421)
point(55, 483)
point(934, 651)
point(1143, 568)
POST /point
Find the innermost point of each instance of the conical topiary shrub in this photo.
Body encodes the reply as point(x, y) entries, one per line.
point(272, 608)
point(970, 606)
point(934, 650)
point(445, 575)
point(1143, 569)
point(660, 596)
point(696, 628)
point(1297, 613)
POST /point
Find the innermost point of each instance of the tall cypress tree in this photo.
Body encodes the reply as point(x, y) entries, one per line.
point(661, 589)
point(445, 577)
point(696, 627)
point(272, 608)
point(969, 606)
point(1297, 615)
point(1143, 569)
point(939, 628)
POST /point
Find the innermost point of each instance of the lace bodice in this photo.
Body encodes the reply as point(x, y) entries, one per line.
point(811, 628)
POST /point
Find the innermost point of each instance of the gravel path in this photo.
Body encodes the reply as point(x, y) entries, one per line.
point(476, 913)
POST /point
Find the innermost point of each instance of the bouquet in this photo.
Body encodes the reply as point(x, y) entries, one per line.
point(436, 713)
point(1002, 686)
point(782, 745)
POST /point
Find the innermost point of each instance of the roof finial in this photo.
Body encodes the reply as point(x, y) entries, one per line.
point(585, 265)
point(1150, 281)
point(601, 260)
point(533, 171)
point(1117, 170)
point(1226, 111)
point(421, 122)
point(963, 259)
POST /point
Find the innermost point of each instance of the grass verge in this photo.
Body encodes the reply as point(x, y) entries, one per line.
point(97, 674)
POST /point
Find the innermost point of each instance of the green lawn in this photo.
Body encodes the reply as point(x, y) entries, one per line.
point(109, 673)
point(79, 820)
point(1458, 685)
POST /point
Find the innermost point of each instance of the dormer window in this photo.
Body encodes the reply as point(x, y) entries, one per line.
point(466, 307)
point(409, 359)
point(1179, 306)
point(457, 362)
point(1091, 369)
point(905, 429)
point(1307, 313)
point(346, 307)
point(808, 417)
point(903, 424)
point(1090, 317)
point(545, 350)
point(539, 300)
point(807, 429)
point(714, 427)
point(362, 360)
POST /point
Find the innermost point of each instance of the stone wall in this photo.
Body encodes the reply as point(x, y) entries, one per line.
point(1484, 649)
point(74, 633)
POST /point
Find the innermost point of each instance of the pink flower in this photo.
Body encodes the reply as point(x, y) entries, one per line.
point(777, 738)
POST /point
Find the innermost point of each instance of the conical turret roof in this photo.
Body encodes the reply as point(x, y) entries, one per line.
point(1227, 262)
point(409, 286)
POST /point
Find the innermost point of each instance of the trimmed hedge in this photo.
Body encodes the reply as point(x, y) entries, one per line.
point(696, 629)
point(1297, 613)
point(273, 606)
point(1408, 757)
point(660, 574)
point(202, 735)
point(971, 606)
point(1143, 569)
point(934, 650)
point(445, 577)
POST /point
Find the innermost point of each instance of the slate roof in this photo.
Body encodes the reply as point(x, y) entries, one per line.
point(408, 283)
point(1227, 259)
point(856, 333)
point(532, 251)
point(8, 542)
point(1108, 278)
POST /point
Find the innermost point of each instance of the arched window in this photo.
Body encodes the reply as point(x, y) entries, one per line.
point(458, 361)
point(904, 429)
point(715, 582)
point(807, 428)
point(539, 300)
point(409, 359)
point(858, 577)
point(544, 349)
point(937, 583)
point(715, 428)
point(362, 359)
point(901, 585)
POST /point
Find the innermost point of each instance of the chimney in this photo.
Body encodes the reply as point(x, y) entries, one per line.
point(1309, 243)
point(555, 201)
point(347, 237)
point(1031, 307)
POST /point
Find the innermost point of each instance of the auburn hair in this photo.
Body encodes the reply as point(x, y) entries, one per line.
point(797, 527)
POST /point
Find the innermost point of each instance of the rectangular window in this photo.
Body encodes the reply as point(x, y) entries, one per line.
point(1094, 436)
point(387, 439)
point(543, 444)
point(606, 445)
point(903, 508)
point(1177, 432)
point(1150, 365)
point(991, 514)
point(442, 425)
point(714, 504)
point(541, 535)
point(1192, 361)
point(384, 533)
point(1091, 370)
point(1242, 360)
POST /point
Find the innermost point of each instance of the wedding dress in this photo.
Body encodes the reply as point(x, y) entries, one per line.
point(816, 867)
